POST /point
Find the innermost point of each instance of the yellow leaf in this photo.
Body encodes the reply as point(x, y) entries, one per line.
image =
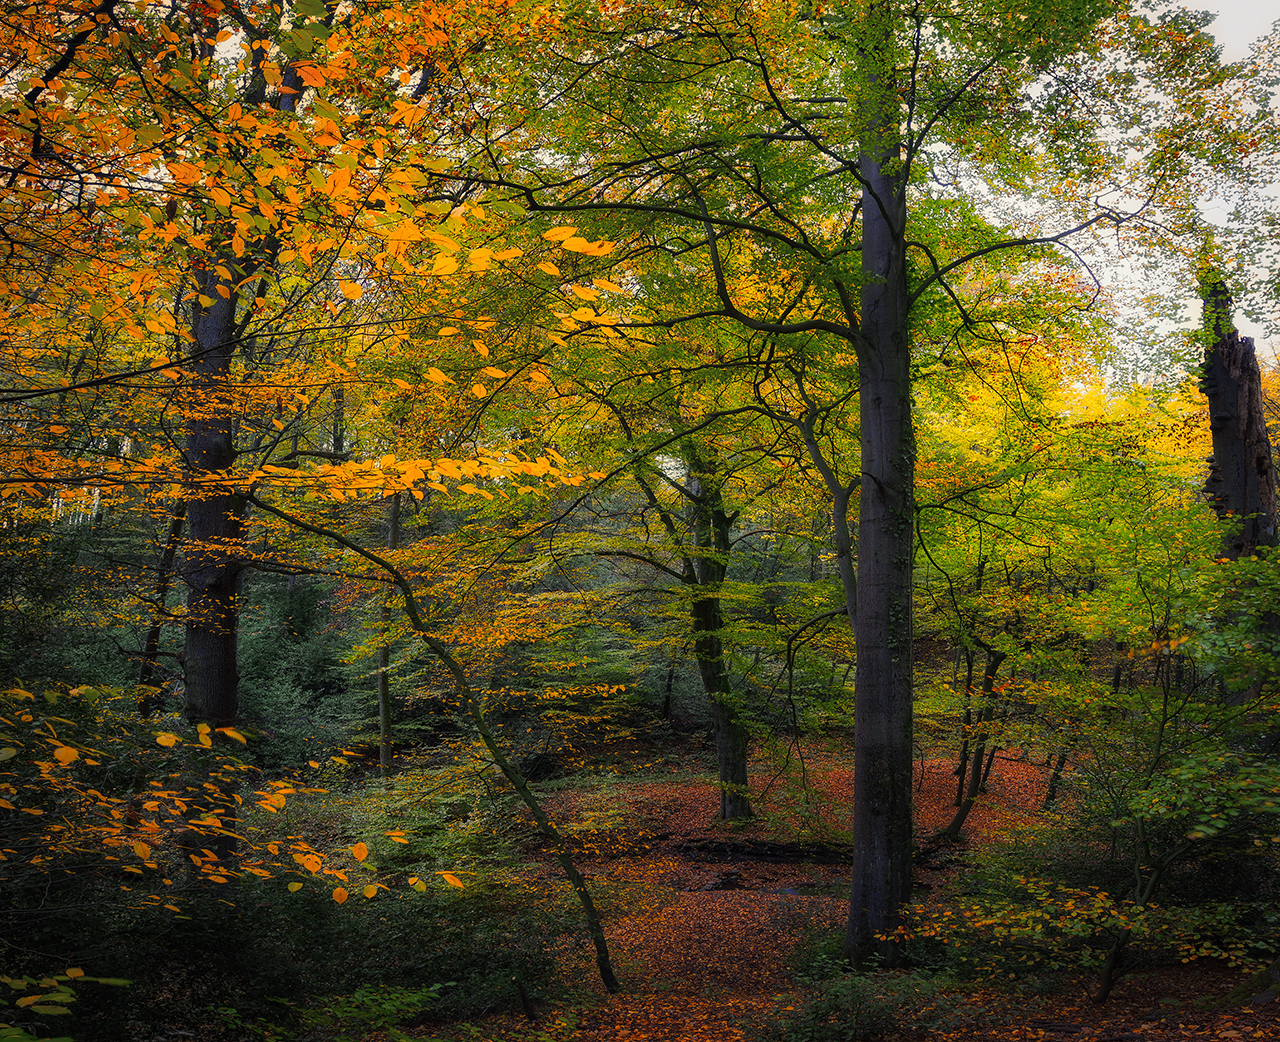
point(224, 291)
point(605, 284)
point(360, 851)
point(173, 908)
point(75, 972)
point(583, 314)
point(167, 740)
point(370, 890)
point(437, 377)
point(220, 196)
point(451, 879)
point(351, 290)
point(479, 390)
point(28, 1000)
point(444, 264)
point(494, 371)
point(64, 754)
point(511, 253)
point(420, 886)
point(449, 331)
point(549, 268)
point(233, 734)
point(403, 385)
point(340, 894)
point(480, 347)
point(560, 234)
point(142, 850)
point(294, 887)
point(585, 293)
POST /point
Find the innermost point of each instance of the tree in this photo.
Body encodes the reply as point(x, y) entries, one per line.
point(835, 176)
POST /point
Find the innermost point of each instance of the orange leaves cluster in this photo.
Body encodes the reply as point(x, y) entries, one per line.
point(173, 835)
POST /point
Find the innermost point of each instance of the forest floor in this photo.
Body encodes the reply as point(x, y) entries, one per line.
point(712, 956)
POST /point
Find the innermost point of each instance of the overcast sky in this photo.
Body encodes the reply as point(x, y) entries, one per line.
point(1239, 22)
point(1237, 25)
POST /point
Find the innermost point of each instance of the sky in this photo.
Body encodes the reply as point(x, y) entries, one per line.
point(1238, 22)
point(1236, 25)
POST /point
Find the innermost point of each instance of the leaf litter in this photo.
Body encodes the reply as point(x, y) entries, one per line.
point(709, 954)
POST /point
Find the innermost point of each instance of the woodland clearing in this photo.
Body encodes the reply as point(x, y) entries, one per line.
point(715, 957)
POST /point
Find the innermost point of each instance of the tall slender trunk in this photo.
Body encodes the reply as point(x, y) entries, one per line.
point(882, 798)
point(384, 649)
point(164, 578)
point(981, 763)
point(962, 764)
point(712, 525)
point(1055, 779)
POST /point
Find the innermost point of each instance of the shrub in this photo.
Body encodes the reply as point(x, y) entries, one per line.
point(849, 1007)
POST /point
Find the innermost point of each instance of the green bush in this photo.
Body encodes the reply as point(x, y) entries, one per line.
point(849, 1007)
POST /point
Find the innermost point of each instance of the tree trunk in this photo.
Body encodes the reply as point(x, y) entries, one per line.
point(962, 763)
point(164, 576)
point(979, 766)
point(712, 525)
point(882, 799)
point(215, 514)
point(384, 649)
point(1242, 477)
point(1055, 779)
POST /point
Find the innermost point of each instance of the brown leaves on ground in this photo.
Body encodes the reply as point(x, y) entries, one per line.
point(710, 956)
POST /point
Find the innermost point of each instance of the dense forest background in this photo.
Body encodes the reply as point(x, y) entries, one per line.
point(417, 417)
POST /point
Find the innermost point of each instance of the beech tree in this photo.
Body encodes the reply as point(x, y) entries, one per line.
point(836, 175)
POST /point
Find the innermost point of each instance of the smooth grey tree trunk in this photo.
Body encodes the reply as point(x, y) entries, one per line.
point(882, 796)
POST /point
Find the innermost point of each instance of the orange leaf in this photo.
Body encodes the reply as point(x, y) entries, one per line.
point(451, 879)
point(360, 852)
point(370, 890)
point(340, 894)
point(142, 850)
point(65, 755)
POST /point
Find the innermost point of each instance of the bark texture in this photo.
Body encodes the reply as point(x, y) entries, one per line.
point(1242, 477)
point(215, 513)
point(882, 796)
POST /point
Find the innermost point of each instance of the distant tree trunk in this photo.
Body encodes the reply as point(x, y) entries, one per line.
point(1242, 477)
point(976, 769)
point(671, 679)
point(1055, 779)
point(339, 418)
point(384, 649)
point(712, 525)
point(164, 577)
point(962, 764)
